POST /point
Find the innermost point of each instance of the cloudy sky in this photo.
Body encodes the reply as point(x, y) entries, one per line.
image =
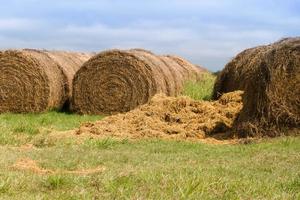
point(206, 32)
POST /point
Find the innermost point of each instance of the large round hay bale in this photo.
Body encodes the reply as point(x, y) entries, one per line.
point(34, 80)
point(118, 81)
point(270, 78)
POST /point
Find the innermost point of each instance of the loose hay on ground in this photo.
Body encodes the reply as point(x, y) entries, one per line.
point(270, 78)
point(118, 81)
point(171, 118)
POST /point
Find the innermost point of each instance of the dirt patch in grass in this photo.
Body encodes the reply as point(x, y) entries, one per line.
point(171, 118)
point(26, 147)
point(27, 164)
point(85, 171)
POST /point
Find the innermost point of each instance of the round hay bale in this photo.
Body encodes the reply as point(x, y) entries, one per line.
point(118, 81)
point(32, 81)
point(270, 78)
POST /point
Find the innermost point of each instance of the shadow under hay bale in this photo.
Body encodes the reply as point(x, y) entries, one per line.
point(118, 81)
point(270, 78)
point(36, 80)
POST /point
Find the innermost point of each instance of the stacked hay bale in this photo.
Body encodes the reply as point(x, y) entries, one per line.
point(36, 81)
point(270, 78)
point(118, 81)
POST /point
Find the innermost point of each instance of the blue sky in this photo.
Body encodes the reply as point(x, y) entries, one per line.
point(206, 32)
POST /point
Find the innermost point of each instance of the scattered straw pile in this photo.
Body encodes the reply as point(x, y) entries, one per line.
point(35, 81)
point(171, 118)
point(118, 81)
point(270, 78)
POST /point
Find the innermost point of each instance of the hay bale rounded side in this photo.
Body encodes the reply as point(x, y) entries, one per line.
point(190, 71)
point(176, 72)
point(70, 63)
point(118, 81)
point(163, 79)
point(270, 78)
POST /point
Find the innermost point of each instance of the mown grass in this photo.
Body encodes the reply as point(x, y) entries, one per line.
point(154, 169)
point(144, 169)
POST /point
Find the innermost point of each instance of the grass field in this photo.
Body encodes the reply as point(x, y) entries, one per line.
point(90, 168)
point(18, 129)
point(201, 90)
point(153, 169)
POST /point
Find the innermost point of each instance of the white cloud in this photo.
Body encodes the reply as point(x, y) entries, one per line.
point(211, 45)
point(17, 24)
point(158, 34)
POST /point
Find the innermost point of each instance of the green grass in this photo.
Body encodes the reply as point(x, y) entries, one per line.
point(144, 169)
point(200, 90)
point(21, 128)
point(154, 169)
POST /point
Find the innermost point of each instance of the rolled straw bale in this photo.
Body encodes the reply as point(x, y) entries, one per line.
point(270, 78)
point(118, 81)
point(33, 81)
